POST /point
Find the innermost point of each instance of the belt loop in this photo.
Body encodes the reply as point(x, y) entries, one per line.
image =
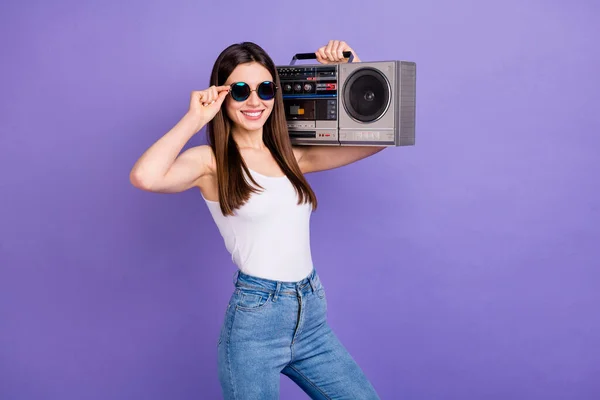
point(236, 274)
point(312, 284)
point(277, 289)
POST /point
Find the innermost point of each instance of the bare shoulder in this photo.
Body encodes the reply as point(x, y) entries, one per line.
point(196, 164)
point(204, 158)
point(204, 155)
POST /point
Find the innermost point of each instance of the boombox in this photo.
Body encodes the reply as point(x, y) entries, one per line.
point(349, 104)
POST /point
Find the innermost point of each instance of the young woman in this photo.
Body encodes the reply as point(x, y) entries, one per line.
point(252, 181)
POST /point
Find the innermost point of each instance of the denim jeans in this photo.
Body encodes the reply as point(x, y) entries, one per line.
point(274, 327)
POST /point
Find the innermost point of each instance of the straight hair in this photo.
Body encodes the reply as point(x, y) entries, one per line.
point(234, 189)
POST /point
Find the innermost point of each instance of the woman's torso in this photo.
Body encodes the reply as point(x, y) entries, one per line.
point(268, 236)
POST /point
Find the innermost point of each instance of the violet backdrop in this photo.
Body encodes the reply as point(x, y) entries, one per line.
point(465, 267)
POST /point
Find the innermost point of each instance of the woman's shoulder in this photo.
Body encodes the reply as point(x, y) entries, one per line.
point(204, 155)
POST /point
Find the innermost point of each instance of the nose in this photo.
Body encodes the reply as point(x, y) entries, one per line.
point(253, 100)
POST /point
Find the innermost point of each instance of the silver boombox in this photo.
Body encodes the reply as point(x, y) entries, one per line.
point(362, 103)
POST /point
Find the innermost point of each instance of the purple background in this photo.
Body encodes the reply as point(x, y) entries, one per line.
point(466, 267)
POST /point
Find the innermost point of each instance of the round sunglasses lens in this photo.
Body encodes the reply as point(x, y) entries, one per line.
point(266, 90)
point(240, 91)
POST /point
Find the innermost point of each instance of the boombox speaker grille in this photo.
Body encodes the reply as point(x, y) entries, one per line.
point(366, 95)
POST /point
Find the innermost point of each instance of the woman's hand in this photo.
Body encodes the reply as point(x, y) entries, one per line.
point(205, 104)
point(332, 53)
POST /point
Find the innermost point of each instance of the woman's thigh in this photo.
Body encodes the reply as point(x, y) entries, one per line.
point(254, 344)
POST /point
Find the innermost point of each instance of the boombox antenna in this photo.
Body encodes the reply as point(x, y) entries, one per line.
point(313, 56)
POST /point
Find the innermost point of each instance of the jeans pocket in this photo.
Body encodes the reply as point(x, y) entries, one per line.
point(252, 299)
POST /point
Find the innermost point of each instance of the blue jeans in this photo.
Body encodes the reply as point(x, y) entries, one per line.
point(274, 327)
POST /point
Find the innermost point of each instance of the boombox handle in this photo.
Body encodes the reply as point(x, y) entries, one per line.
point(313, 56)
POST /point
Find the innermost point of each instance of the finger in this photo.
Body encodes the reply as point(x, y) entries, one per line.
point(334, 50)
point(217, 100)
point(328, 54)
point(223, 88)
point(329, 50)
point(318, 55)
point(321, 54)
point(221, 97)
point(340, 50)
point(205, 98)
point(325, 50)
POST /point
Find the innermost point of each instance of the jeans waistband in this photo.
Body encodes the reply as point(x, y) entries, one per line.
point(310, 283)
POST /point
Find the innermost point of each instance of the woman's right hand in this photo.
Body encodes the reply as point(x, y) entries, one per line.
point(205, 104)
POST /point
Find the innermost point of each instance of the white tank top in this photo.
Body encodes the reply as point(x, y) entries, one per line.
point(269, 236)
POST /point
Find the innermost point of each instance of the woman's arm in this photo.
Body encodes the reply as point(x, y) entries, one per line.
point(161, 168)
point(320, 158)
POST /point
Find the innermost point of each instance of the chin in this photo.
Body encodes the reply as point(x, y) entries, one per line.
point(252, 127)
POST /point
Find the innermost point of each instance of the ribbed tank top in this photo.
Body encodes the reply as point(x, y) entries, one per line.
point(269, 236)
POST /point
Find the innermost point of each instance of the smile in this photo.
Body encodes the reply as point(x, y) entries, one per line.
point(252, 115)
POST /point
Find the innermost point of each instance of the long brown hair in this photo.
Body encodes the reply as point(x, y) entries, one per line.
point(234, 189)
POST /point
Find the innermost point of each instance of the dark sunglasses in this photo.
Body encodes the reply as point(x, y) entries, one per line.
point(240, 91)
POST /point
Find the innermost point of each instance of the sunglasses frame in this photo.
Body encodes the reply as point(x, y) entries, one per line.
point(275, 88)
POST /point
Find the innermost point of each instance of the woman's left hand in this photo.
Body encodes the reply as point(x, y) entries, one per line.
point(332, 53)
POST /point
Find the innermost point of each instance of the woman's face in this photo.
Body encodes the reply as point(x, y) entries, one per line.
point(252, 113)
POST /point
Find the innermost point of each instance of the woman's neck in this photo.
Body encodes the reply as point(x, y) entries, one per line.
point(248, 139)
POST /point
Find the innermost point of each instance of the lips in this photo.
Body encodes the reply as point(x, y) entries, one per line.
point(252, 113)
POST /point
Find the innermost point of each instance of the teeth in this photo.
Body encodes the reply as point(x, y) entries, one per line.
point(253, 114)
